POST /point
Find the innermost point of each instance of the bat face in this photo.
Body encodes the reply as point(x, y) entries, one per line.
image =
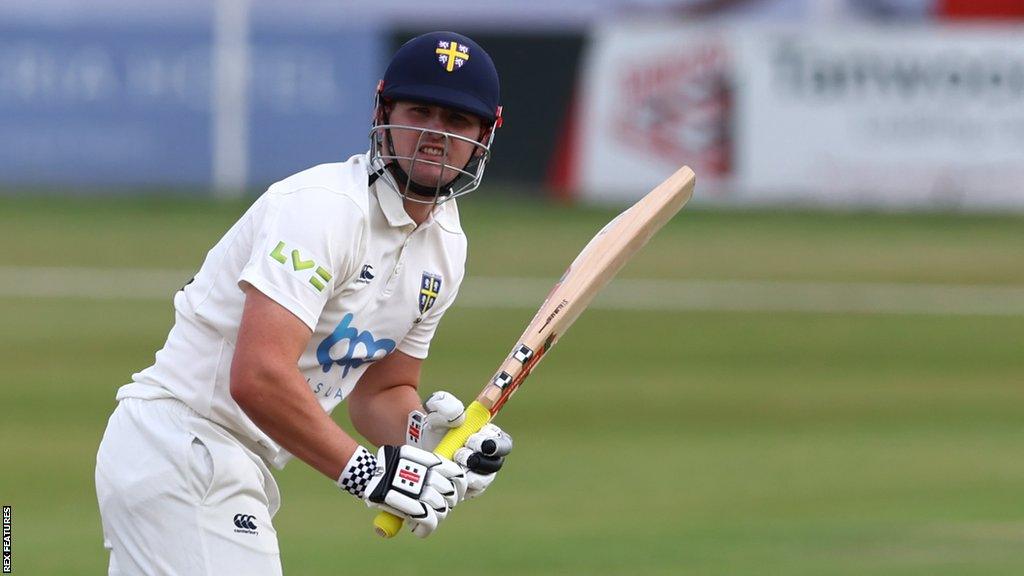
point(592, 269)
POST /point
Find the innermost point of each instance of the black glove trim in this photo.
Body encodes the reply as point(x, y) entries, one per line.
point(390, 468)
point(481, 464)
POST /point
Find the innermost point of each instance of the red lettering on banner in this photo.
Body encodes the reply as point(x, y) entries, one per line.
point(677, 105)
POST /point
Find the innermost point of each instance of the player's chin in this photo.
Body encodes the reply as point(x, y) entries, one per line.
point(433, 176)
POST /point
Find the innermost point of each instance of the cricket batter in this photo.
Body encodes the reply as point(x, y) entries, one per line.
point(328, 288)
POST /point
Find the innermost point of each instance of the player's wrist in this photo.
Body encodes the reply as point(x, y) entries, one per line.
point(411, 483)
point(357, 473)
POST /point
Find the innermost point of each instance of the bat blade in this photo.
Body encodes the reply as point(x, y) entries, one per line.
point(595, 266)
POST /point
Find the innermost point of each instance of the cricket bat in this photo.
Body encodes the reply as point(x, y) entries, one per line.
point(592, 269)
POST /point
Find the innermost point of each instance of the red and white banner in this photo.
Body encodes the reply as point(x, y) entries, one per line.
point(919, 117)
point(652, 99)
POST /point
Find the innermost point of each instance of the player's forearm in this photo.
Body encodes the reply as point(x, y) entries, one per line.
point(280, 404)
point(381, 416)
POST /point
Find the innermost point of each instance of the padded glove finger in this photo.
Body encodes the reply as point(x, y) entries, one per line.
point(444, 411)
point(477, 462)
point(449, 479)
point(490, 441)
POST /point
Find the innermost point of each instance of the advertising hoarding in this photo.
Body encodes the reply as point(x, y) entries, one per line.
point(98, 103)
point(891, 117)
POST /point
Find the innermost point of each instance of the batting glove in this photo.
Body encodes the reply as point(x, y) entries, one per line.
point(417, 485)
point(482, 456)
point(444, 412)
point(483, 453)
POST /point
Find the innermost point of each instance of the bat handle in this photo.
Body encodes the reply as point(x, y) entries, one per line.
point(477, 416)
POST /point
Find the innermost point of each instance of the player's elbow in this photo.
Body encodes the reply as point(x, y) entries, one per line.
point(251, 384)
point(244, 388)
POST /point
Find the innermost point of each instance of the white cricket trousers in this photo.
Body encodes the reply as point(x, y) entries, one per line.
point(179, 495)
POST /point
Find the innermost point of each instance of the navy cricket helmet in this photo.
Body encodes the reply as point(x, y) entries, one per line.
point(446, 69)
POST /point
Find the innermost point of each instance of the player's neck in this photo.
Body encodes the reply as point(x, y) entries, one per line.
point(418, 211)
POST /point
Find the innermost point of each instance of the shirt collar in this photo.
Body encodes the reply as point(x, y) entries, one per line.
point(447, 216)
point(391, 204)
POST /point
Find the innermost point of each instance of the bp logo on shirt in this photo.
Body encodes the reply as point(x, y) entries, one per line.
point(360, 347)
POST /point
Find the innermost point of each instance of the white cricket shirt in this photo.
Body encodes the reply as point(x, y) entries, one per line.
point(345, 258)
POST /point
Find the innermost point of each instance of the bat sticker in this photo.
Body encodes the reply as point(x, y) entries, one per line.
point(503, 379)
point(523, 353)
point(554, 313)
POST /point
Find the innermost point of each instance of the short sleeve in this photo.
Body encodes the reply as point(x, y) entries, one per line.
point(417, 341)
point(307, 242)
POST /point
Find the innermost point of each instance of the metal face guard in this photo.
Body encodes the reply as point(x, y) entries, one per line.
point(466, 178)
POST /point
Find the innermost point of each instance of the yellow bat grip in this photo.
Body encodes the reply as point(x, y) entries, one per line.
point(477, 416)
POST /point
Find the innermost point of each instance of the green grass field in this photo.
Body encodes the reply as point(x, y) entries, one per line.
point(690, 442)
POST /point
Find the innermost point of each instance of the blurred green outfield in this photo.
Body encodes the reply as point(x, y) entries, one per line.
point(647, 442)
